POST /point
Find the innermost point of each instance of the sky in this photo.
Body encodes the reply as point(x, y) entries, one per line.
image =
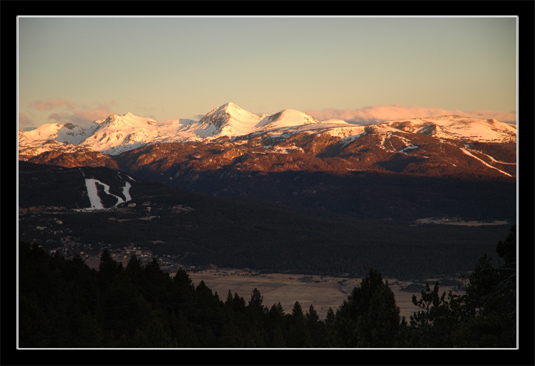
point(360, 69)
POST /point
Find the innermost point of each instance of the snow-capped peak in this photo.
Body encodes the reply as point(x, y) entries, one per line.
point(127, 118)
point(229, 107)
point(286, 118)
point(228, 110)
point(229, 120)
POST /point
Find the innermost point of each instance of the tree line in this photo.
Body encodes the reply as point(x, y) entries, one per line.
point(63, 303)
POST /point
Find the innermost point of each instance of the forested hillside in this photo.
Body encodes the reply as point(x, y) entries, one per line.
point(239, 233)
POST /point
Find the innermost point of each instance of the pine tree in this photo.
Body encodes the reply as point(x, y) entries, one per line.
point(369, 317)
point(329, 325)
point(297, 335)
point(134, 268)
point(256, 303)
point(256, 312)
point(275, 326)
point(108, 269)
point(157, 282)
point(438, 319)
point(316, 329)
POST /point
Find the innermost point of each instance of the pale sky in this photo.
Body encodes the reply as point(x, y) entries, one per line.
point(75, 69)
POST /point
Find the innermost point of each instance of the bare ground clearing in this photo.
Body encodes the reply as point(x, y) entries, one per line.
point(321, 291)
point(444, 221)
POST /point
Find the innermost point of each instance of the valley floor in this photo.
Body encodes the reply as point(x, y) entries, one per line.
point(321, 291)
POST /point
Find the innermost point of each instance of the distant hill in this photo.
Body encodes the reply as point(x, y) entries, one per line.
point(55, 210)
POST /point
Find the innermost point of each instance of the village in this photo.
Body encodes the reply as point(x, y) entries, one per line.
point(168, 263)
point(46, 223)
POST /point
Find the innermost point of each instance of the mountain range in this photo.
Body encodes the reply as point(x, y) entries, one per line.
point(233, 138)
point(281, 192)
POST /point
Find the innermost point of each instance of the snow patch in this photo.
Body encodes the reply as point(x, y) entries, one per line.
point(347, 140)
point(126, 192)
point(410, 147)
point(91, 185)
point(484, 162)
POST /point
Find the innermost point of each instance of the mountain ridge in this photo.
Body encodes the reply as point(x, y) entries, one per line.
point(286, 140)
point(229, 112)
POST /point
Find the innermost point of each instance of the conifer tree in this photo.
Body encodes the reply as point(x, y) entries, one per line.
point(276, 326)
point(134, 268)
point(256, 312)
point(256, 303)
point(438, 319)
point(108, 268)
point(329, 325)
point(297, 335)
point(369, 317)
point(316, 329)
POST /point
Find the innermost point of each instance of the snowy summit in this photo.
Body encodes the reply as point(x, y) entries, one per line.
point(119, 133)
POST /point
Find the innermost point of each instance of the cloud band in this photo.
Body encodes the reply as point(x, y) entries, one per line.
point(382, 113)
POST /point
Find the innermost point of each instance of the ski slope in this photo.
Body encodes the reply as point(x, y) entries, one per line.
point(96, 202)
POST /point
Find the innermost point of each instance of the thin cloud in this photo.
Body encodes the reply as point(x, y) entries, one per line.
point(82, 116)
point(45, 105)
point(25, 123)
point(382, 113)
point(63, 111)
point(508, 117)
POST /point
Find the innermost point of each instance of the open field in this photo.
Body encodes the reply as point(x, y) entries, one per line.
point(321, 291)
point(444, 221)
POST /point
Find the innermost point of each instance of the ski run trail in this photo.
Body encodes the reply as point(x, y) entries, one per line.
point(92, 192)
point(484, 162)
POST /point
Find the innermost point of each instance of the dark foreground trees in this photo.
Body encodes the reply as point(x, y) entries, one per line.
point(485, 316)
point(369, 317)
point(63, 303)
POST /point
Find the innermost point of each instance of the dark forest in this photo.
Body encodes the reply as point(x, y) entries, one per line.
point(65, 304)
